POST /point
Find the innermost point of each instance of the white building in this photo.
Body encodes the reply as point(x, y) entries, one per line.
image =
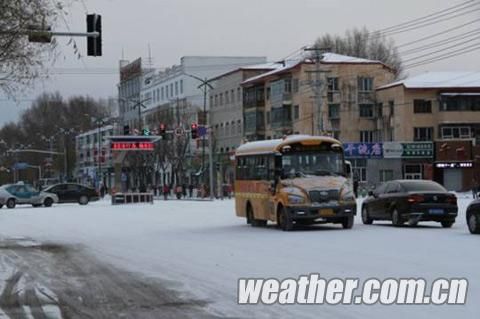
point(87, 150)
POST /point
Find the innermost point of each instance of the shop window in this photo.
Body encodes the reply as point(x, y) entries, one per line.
point(456, 132)
point(412, 171)
point(366, 110)
point(359, 169)
point(422, 106)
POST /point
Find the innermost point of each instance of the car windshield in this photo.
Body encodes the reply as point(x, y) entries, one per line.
point(423, 186)
point(312, 163)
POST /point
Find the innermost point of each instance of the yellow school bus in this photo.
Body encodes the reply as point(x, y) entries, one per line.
point(297, 180)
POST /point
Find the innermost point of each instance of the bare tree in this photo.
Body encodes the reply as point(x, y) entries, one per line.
point(364, 44)
point(20, 61)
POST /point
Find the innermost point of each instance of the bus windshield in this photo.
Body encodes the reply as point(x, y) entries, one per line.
point(318, 163)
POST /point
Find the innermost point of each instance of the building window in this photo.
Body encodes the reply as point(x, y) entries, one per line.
point(412, 171)
point(268, 117)
point(386, 175)
point(334, 111)
point(176, 88)
point(359, 169)
point(366, 110)
point(296, 112)
point(332, 84)
point(452, 132)
point(288, 85)
point(365, 84)
point(391, 107)
point(211, 101)
point(171, 89)
point(163, 94)
point(181, 86)
point(422, 134)
point(232, 96)
point(220, 99)
point(295, 85)
point(455, 102)
point(227, 97)
point(422, 106)
point(367, 136)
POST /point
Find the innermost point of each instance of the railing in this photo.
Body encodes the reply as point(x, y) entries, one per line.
point(132, 198)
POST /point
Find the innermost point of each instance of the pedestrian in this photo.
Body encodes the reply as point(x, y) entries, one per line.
point(475, 186)
point(166, 191)
point(184, 190)
point(190, 190)
point(102, 190)
point(178, 191)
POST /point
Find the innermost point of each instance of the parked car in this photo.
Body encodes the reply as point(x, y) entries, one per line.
point(73, 193)
point(410, 201)
point(19, 194)
point(473, 217)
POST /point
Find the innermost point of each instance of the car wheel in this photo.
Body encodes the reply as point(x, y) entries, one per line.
point(347, 222)
point(48, 202)
point(1, 205)
point(11, 203)
point(284, 221)
point(83, 200)
point(396, 218)
point(36, 205)
point(447, 224)
point(474, 224)
point(366, 217)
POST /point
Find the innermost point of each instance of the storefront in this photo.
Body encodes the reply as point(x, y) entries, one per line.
point(454, 164)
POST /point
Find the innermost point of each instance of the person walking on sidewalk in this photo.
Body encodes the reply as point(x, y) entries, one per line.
point(166, 191)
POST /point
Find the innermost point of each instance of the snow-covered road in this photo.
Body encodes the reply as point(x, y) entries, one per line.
point(202, 249)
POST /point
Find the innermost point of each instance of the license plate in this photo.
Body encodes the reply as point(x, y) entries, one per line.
point(436, 211)
point(328, 212)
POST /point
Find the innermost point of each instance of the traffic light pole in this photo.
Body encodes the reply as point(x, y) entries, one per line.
point(210, 159)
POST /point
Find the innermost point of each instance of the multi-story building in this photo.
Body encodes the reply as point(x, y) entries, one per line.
point(129, 88)
point(226, 115)
point(441, 109)
point(173, 97)
point(89, 154)
point(335, 96)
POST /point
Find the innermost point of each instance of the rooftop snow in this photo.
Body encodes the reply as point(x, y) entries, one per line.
point(439, 80)
point(330, 58)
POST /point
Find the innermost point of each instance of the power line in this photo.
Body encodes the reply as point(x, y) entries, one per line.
point(443, 57)
point(429, 17)
point(437, 34)
point(443, 49)
point(428, 24)
point(441, 42)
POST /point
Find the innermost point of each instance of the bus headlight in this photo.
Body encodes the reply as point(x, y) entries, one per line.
point(295, 199)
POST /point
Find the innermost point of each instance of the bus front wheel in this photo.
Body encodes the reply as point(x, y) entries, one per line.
point(284, 221)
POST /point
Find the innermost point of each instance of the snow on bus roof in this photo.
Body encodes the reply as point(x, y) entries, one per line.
point(271, 146)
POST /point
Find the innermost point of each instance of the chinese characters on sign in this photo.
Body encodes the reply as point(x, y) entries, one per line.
point(363, 150)
point(389, 150)
point(133, 146)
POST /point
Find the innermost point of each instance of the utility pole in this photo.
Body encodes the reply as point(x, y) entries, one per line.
point(318, 87)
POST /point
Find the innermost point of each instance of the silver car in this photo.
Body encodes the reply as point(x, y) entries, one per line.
point(19, 194)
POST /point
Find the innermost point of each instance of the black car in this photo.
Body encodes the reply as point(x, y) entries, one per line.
point(473, 217)
point(410, 201)
point(73, 193)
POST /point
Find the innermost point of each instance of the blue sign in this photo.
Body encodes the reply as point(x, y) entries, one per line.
point(20, 166)
point(363, 150)
point(202, 130)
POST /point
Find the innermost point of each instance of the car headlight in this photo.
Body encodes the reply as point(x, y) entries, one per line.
point(295, 199)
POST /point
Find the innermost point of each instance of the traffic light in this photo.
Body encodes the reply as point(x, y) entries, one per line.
point(94, 44)
point(194, 131)
point(162, 130)
point(126, 130)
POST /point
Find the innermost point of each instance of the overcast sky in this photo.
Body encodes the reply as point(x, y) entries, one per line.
point(271, 28)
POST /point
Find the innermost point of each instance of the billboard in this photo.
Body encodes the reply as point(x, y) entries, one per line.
point(363, 150)
point(408, 150)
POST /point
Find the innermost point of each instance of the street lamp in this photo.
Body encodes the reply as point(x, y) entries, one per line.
point(66, 133)
point(205, 84)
